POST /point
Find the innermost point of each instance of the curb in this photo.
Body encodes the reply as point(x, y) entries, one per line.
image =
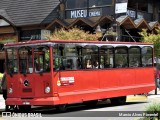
point(136, 98)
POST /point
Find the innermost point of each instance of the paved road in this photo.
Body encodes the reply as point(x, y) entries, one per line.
point(103, 109)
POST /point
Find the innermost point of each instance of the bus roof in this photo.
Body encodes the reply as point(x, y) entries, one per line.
point(80, 42)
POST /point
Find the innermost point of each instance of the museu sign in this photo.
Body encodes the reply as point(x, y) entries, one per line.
point(85, 13)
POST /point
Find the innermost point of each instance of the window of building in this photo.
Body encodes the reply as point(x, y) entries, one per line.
point(72, 4)
point(95, 3)
point(138, 4)
point(143, 5)
point(132, 4)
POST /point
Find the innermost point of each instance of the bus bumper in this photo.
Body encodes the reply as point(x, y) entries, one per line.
point(35, 101)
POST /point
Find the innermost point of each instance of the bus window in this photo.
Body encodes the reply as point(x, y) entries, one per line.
point(25, 60)
point(42, 59)
point(70, 57)
point(121, 57)
point(56, 55)
point(106, 57)
point(79, 61)
point(66, 57)
point(134, 57)
point(147, 56)
point(90, 57)
point(12, 65)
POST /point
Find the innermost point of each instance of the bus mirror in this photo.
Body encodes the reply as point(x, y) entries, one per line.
point(158, 83)
point(24, 74)
point(11, 75)
point(41, 73)
point(10, 72)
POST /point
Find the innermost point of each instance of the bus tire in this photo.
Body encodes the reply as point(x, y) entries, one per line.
point(61, 108)
point(10, 108)
point(118, 100)
point(91, 103)
point(24, 108)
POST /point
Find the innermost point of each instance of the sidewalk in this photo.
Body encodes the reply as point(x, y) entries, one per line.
point(2, 103)
point(130, 98)
point(150, 97)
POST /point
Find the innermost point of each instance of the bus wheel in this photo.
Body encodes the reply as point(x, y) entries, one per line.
point(91, 103)
point(24, 108)
point(61, 108)
point(10, 108)
point(118, 100)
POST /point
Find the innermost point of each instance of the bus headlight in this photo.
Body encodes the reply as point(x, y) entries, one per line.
point(10, 90)
point(47, 89)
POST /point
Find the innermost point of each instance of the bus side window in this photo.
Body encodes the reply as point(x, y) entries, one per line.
point(106, 56)
point(79, 63)
point(147, 56)
point(121, 59)
point(88, 64)
point(134, 57)
point(69, 64)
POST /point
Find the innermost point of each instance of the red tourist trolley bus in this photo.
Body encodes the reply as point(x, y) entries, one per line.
point(59, 73)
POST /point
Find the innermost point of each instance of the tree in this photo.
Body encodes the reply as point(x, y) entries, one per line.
point(155, 39)
point(152, 38)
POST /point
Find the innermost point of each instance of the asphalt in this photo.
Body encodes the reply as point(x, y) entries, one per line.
point(150, 97)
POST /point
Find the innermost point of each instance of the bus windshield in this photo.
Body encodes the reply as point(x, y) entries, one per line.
point(12, 65)
point(27, 60)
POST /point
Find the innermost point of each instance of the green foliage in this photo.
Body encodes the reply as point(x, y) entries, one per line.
point(153, 108)
point(152, 38)
point(73, 34)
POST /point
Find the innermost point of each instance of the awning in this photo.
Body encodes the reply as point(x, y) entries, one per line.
point(142, 23)
point(126, 22)
point(69, 23)
point(56, 23)
point(103, 20)
point(153, 24)
point(81, 21)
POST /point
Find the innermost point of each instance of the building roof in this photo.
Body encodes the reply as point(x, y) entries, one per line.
point(28, 12)
point(142, 23)
point(126, 21)
point(89, 21)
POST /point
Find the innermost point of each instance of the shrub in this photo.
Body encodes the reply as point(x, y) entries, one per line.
point(73, 34)
point(152, 109)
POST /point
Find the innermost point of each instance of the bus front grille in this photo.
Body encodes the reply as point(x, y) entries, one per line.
point(27, 89)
